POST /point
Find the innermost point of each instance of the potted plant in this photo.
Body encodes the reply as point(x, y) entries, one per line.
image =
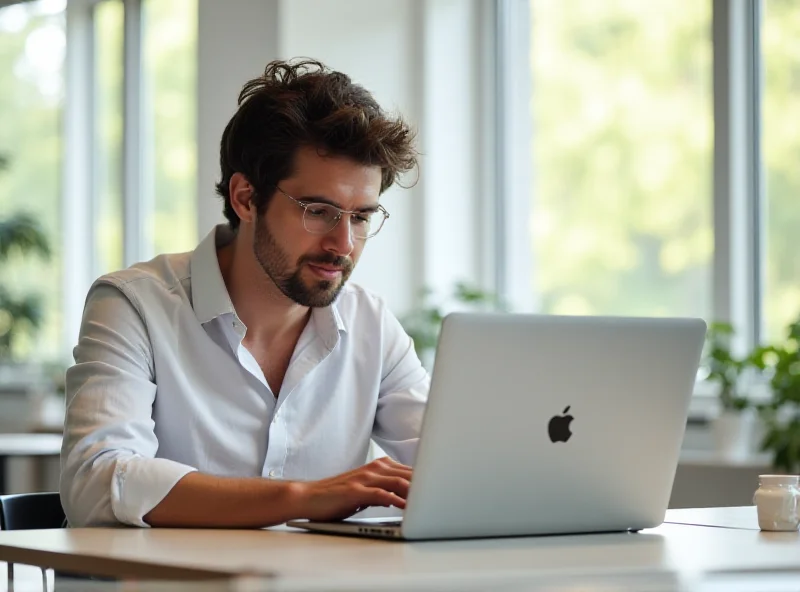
point(20, 235)
point(733, 427)
point(19, 314)
point(781, 415)
point(423, 324)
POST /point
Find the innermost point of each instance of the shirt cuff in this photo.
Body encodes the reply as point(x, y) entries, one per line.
point(139, 484)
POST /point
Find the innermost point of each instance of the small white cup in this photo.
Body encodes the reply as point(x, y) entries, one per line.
point(778, 500)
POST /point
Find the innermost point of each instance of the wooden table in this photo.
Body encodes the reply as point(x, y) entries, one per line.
point(671, 550)
point(26, 445)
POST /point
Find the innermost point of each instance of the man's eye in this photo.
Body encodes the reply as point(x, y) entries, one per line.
point(317, 212)
point(360, 219)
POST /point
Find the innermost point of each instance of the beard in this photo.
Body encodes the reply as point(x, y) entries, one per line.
point(275, 263)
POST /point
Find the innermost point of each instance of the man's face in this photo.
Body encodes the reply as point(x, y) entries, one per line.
point(311, 269)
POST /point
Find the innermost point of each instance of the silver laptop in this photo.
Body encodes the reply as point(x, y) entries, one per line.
point(540, 424)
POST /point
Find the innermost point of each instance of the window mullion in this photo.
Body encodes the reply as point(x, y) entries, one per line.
point(134, 204)
point(77, 198)
point(758, 193)
point(737, 222)
point(513, 155)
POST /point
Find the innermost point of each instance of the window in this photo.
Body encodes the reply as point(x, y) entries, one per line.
point(32, 49)
point(781, 154)
point(170, 75)
point(99, 144)
point(621, 201)
point(165, 184)
point(632, 208)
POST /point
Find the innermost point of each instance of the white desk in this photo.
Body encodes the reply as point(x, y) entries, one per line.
point(741, 517)
point(678, 550)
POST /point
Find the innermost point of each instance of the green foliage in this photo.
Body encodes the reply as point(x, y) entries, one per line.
point(22, 233)
point(780, 365)
point(18, 315)
point(724, 368)
point(781, 414)
point(424, 323)
point(31, 127)
point(19, 235)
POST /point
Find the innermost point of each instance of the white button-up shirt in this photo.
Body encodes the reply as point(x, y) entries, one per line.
point(163, 386)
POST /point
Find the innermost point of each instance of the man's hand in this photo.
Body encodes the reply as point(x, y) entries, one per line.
point(200, 500)
point(383, 482)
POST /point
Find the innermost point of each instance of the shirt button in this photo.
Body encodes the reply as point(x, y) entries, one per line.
point(272, 473)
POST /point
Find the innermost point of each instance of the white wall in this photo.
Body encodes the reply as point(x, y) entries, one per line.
point(420, 58)
point(236, 39)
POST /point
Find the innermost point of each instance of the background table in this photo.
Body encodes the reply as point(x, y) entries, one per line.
point(30, 445)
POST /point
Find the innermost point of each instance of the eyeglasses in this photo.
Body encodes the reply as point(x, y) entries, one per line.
point(321, 218)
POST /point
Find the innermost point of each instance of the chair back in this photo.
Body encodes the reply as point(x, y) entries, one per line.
point(29, 511)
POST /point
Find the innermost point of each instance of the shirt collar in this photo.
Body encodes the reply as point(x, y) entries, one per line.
point(329, 324)
point(210, 297)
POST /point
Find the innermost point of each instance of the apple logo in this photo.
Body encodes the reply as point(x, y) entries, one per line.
point(558, 428)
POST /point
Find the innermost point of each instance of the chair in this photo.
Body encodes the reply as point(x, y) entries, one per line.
point(30, 511)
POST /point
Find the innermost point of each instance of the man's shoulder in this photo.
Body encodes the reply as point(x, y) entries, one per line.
point(163, 274)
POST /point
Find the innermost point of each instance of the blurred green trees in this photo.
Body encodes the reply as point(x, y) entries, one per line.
point(622, 157)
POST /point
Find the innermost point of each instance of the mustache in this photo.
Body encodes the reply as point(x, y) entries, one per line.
point(345, 263)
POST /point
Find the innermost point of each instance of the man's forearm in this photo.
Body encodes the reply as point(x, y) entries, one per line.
point(200, 500)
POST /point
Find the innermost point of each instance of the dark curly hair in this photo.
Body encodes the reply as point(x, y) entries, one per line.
point(303, 103)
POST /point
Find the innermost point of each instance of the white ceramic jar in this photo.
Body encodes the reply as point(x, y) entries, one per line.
point(778, 500)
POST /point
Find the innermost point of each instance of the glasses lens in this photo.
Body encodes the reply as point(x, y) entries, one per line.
point(320, 218)
point(378, 218)
point(362, 224)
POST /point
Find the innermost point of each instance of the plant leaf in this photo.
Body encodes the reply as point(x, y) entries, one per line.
point(23, 233)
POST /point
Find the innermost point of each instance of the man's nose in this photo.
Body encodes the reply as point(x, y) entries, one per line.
point(340, 238)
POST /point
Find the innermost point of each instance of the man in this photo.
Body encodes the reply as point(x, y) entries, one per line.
point(239, 385)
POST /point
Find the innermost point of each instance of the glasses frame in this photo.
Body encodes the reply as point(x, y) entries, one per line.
point(306, 205)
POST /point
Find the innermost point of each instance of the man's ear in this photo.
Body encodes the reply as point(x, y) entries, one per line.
point(241, 192)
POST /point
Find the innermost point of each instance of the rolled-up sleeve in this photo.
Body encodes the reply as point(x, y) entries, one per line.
point(109, 473)
point(403, 394)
